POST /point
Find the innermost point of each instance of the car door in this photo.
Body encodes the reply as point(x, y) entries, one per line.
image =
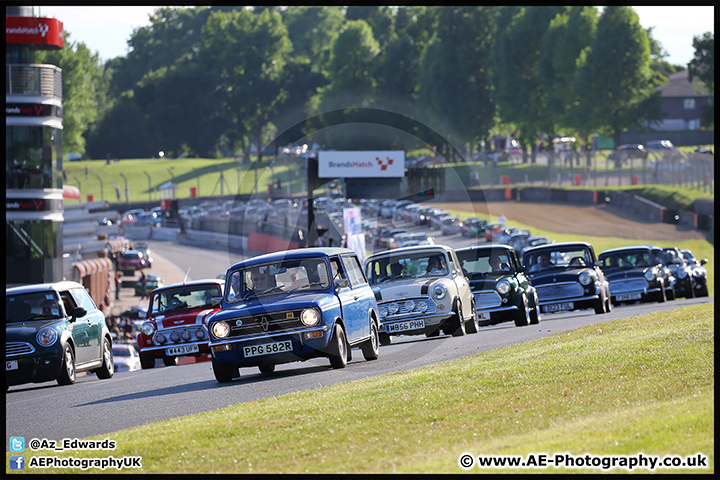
point(363, 296)
point(87, 330)
point(349, 307)
point(463, 286)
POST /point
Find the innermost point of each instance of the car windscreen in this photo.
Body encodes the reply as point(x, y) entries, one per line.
point(281, 277)
point(483, 263)
point(25, 307)
point(626, 259)
point(184, 297)
point(406, 265)
point(569, 257)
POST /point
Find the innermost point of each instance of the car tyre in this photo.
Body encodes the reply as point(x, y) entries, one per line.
point(456, 324)
point(147, 361)
point(471, 326)
point(522, 315)
point(266, 368)
point(108, 367)
point(170, 361)
point(661, 297)
point(224, 372)
point(67, 372)
point(338, 348)
point(371, 347)
point(601, 305)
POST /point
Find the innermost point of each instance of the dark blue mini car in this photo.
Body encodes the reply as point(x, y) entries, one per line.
point(292, 306)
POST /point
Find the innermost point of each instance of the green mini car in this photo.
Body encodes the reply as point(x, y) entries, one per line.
point(54, 331)
point(500, 287)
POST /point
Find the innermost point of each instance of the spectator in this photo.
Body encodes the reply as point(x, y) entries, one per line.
point(118, 284)
point(143, 286)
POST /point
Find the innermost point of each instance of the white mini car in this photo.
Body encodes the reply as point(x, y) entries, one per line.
point(421, 290)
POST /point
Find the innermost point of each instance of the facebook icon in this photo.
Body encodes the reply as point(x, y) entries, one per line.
point(17, 462)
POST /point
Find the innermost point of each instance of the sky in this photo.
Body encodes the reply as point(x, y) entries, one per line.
point(106, 30)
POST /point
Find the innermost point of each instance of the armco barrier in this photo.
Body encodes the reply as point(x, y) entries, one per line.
point(638, 205)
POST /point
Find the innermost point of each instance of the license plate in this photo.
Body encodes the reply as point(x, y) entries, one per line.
point(11, 365)
point(557, 307)
point(182, 350)
point(267, 348)
point(483, 316)
point(404, 326)
point(628, 296)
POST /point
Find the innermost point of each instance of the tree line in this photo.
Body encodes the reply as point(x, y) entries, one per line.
point(211, 81)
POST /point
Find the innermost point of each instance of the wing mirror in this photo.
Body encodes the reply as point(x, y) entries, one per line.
point(79, 312)
point(215, 301)
point(342, 283)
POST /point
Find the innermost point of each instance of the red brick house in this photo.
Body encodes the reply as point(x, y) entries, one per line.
point(683, 103)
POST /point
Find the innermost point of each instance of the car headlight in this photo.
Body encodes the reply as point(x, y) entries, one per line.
point(503, 287)
point(393, 308)
point(682, 273)
point(650, 275)
point(310, 317)
point(47, 337)
point(422, 307)
point(409, 305)
point(160, 338)
point(698, 272)
point(439, 291)
point(220, 329)
point(200, 334)
point(586, 278)
point(148, 328)
point(383, 312)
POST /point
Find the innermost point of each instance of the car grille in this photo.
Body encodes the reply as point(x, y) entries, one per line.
point(627, 286)
point(407, 306)
point(263, 324)
point(559, 290)
point(179, 335)
point(18, 348)
point(487, 299)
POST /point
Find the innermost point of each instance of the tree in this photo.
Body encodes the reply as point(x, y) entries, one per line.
point(518, 90)
point(702, 64)
point(454, 79)
point(84, 87)
point(614, 82)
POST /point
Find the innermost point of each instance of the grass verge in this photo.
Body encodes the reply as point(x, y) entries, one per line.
point(638, 385)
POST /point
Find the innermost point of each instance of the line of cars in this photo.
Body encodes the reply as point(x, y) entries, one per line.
point(324, 302)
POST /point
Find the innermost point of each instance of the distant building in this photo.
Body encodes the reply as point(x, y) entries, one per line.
point(683, 103)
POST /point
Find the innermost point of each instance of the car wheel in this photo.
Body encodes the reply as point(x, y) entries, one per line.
point(170, 361)
point(267, 367)
point(691, 290)
point(661, 297)
point(224, 372)
point(371, 347)
point(471, 325)
point(147, 361)
point(522, 314)
point(703, 291)
point(67, 372)
point(108, 367)
point(600, 305)
point(338, 348)
point(535, 311)
point(457, 324)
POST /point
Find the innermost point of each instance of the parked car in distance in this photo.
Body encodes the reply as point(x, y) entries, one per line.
point(291, 306)
point(699, 272)
point(567, 277)
point(624, 152)
point(132, 260)
point(54, 331)
point(632, 275)
point(176, 321)
point(126, 357)
point(659, 144)
point(450, 226)
point(152, 281)
point(421, 291)
point(500, 287)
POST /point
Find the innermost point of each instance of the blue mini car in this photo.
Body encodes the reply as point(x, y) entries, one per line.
point(292, 306)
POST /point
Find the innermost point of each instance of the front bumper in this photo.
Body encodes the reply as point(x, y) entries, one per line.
point(41, 366)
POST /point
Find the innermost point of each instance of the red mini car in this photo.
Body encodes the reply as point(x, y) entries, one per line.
point(176, 323)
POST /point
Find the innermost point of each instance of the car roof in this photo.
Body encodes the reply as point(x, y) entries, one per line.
point(553, 246)
point(312, 252)
point(43, 287)
point(485, 247)
point(415, 248)
point(215, 281)
point(622, 249)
